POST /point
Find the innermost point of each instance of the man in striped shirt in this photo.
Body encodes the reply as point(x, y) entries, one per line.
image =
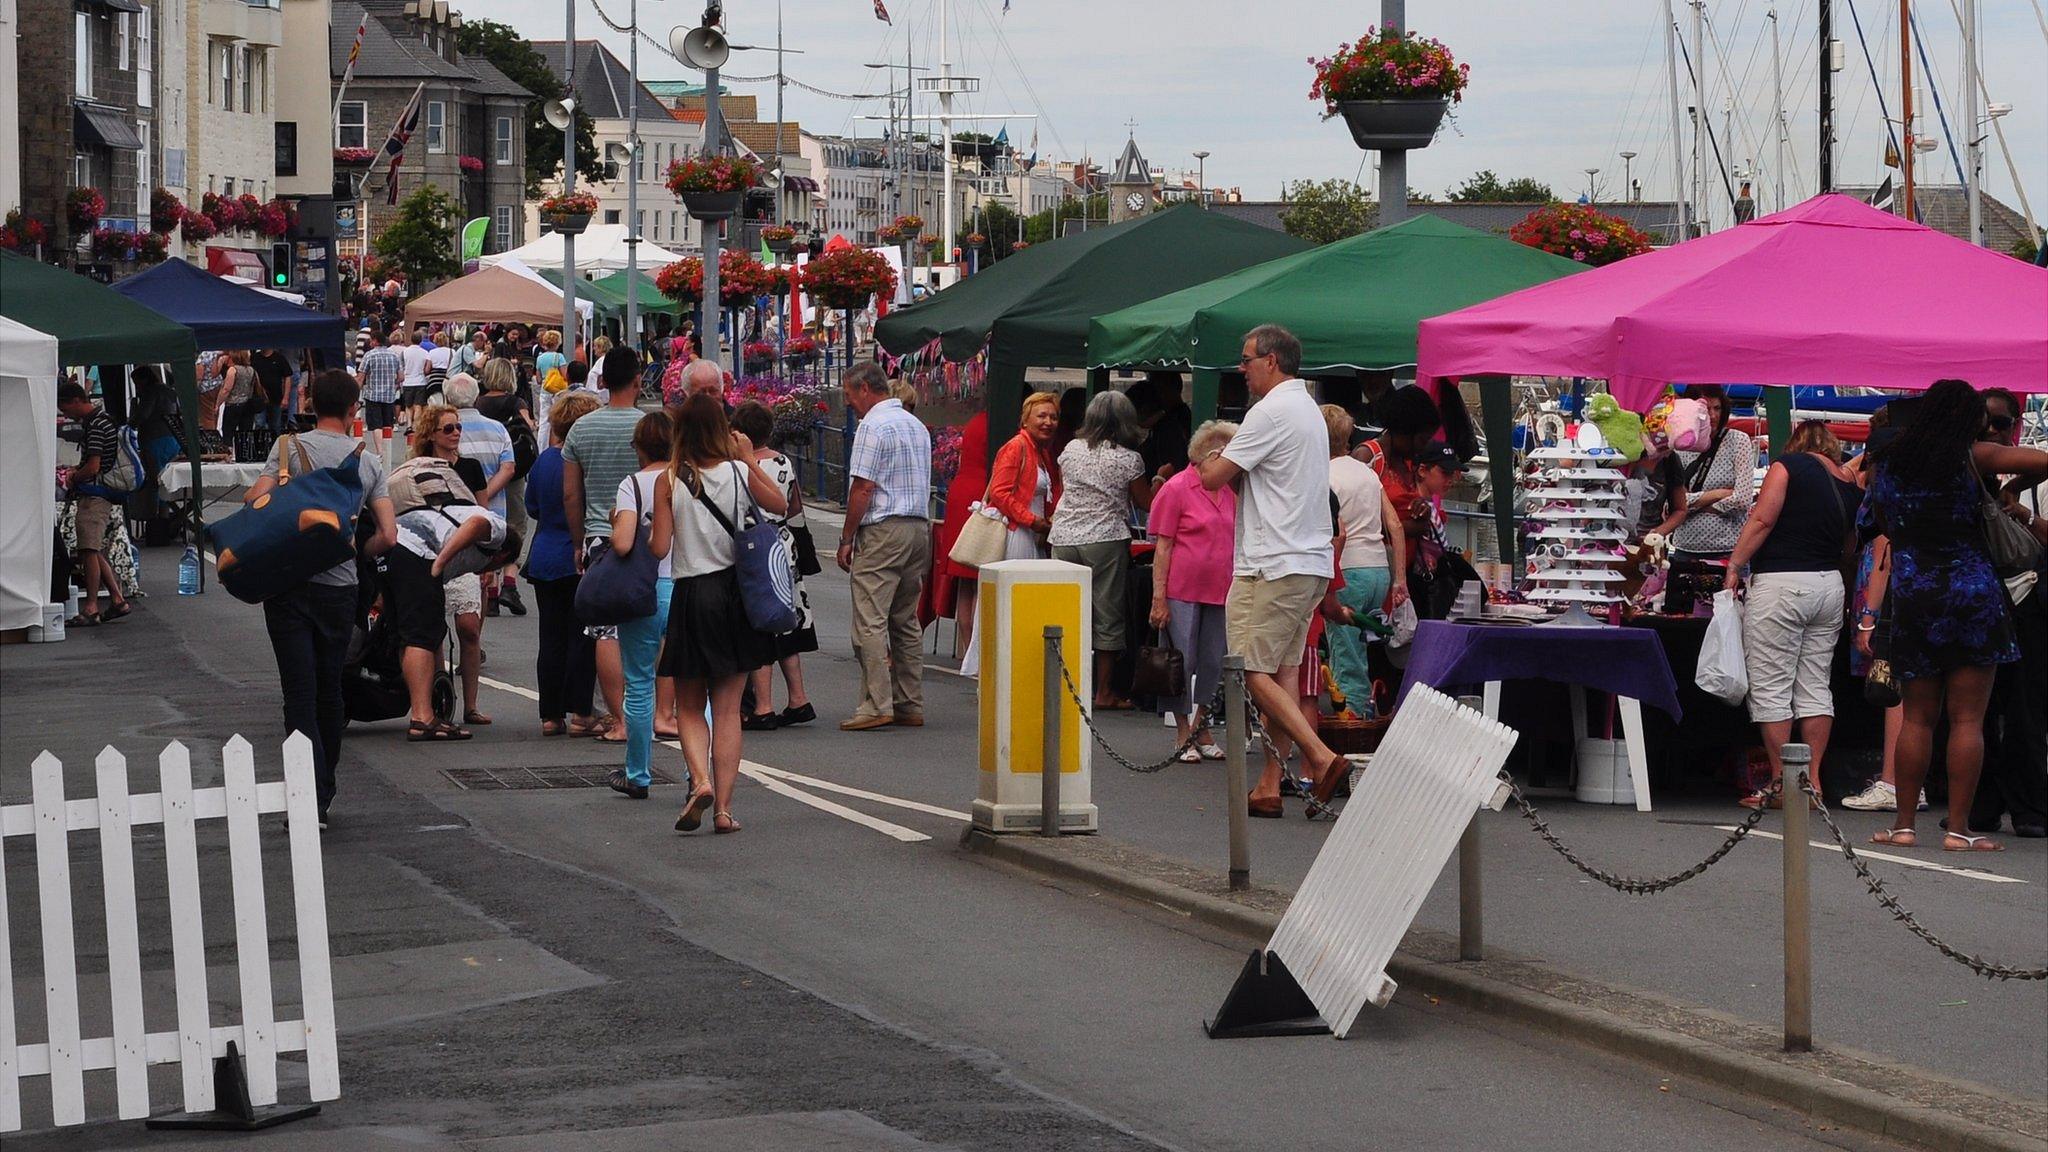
point(377, 375)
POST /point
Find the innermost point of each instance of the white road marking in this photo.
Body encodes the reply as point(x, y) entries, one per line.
point(861, 793)
point(1867, 854)
point(776, 780)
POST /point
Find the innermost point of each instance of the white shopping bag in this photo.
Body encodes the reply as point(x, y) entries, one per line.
point(1722, 673)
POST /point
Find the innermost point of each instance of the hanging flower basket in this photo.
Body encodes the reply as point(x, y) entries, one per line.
point(569, 213)
point(712, 187)
point(83, 208)
point(471, 164)
point(1389, 124)
point(196, 228)
point(976, 240)
point(682, 281)
point(22, 233)
point(354, 157)
point(1580, 232)
point(1392, 89)
point(779, 238)
point(166, 211)
point(112, 244)
point(711, 205)
point(152, 247)
point(847, 278)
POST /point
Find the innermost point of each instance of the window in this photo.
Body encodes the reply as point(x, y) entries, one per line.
point(675, 231)
point(145, 58)
point(611, 215)
point(142, 184)
point(242, 62)
point(121, 42)
point(227, 186)
point(639, 222)
point(640, 163)
point(351, 125)
point(259, 62)
point(437, 126)
point(227, 78)
point(504, 139)
point(81, 61)
point(503, 215)
point(81, 170)
point(287, 133)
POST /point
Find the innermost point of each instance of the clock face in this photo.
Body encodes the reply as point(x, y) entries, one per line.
point(1135, 201)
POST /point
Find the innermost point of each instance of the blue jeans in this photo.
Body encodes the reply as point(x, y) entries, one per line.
point(1364, 590)
point(639, 646)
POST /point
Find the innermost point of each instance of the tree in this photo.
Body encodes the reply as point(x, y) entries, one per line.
point(1043, 226)
point(420, 240)
point(1486, 187)
point(1321, 211)
point(511, 53)
point(998, 223)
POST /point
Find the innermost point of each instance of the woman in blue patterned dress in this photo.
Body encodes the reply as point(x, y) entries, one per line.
point(1949, 623)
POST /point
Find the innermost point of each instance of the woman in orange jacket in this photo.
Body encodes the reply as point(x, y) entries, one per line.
point(1024, 481)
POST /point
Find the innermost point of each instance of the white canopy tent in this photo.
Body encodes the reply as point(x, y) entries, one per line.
point(585, 309)
point(28, 471)
point(601, 248)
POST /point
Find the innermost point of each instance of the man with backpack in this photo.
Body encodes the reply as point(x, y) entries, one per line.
point(94, 504)
point(311, 625)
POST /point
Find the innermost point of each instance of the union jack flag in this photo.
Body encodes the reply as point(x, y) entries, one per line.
point(394, 146)
point(882, 14)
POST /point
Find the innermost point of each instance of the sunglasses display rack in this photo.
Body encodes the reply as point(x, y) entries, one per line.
point(1573, 503)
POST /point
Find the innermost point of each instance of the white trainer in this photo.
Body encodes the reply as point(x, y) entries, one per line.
point(1879, 797)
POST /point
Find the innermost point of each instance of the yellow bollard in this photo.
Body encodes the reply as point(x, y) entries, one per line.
point(1018, 599)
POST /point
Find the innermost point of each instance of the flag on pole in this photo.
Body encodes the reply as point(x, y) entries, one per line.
point(355, 49)
point(882, 14)
point(394, 145)
point(1003, 136)
point(1033, 161)
point(1882, 198)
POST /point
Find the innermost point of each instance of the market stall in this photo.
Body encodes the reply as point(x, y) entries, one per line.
point(1033, 309)
point(599, 248)
point(226, 315)
point(28, 458)
point(500, 294)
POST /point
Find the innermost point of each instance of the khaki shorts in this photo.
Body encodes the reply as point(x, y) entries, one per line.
point(94, 514)
point(1266, 621)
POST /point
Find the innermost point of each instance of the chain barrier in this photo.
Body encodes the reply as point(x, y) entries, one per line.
point(1890, 903)
point(1631, 885)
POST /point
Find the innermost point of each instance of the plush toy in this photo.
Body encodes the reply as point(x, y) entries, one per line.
point(1690, 427)
point(1621, 428)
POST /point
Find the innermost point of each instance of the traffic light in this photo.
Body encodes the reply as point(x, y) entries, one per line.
point(280, 264)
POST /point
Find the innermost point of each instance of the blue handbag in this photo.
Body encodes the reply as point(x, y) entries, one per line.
point(765, 566)
point(619, 589)
point(297, 530)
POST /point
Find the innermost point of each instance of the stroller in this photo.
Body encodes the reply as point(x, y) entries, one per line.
point(373, 682)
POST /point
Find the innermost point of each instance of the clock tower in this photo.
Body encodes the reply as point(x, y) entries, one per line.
point(1130, 185)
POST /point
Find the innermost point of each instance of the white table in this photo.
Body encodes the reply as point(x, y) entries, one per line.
point(175, 483)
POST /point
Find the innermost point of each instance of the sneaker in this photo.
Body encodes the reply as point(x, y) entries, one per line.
point(509, 597)
point(1879, 797)
point(624, 786)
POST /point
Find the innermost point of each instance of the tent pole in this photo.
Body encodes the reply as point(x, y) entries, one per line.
point(1098, 380)
point(1778, 418)
point(1497, 412)
point(1004, 387)
point(1208, 388)
point(186, 371)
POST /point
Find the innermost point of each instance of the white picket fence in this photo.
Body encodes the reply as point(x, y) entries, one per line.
point(65, 1057)
point(1438, 765)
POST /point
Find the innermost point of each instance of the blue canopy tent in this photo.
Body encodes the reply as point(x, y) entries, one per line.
point(224, 315)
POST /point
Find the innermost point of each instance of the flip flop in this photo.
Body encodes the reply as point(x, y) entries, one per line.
point(1970, 843)
point(692, 816)
point(112, 615)
point(434, 731)
point(84, 621)
point(1896, 837)
point(1210, 751)
point(1189, 756)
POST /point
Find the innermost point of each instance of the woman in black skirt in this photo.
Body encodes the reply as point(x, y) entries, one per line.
point(711, 648)
point(754, 421)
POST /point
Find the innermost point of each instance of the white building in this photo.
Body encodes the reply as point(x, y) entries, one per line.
point(603, 83)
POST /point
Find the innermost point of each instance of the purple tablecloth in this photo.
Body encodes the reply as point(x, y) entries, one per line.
point(1619, 661)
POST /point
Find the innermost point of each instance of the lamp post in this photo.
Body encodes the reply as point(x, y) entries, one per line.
point(1628, 183)
point(1201, 180)
point(1590, 191)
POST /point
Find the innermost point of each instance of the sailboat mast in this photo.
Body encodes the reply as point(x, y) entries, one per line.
point(1906, 147)
point(1827, 96)
point(1699, 112)
point(1678, 189)
point(1777, 112)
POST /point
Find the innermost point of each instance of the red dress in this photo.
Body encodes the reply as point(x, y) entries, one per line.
point(967, 487)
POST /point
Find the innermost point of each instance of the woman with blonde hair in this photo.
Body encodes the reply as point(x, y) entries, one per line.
point(437, 432)
point(711, 477)
point(1193, 534)
point(1024, 482)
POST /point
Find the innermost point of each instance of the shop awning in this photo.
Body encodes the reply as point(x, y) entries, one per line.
point(799, 184)
point(104, 125)
point(236, 261)
point(120, 5)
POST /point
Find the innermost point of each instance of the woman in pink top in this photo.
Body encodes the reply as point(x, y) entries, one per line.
point(1195, 533)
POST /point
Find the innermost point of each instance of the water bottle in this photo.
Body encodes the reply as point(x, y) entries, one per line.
point(188, 571)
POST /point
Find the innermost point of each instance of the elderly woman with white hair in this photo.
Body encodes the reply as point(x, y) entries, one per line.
point(1194, 535)
point(1103, 477)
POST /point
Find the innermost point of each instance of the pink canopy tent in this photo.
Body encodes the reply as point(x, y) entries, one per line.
point(1831, 291)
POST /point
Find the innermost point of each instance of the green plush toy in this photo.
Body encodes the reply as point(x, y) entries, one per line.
point(1622, 428)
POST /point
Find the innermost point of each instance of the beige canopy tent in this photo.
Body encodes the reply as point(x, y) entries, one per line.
point(494, 294)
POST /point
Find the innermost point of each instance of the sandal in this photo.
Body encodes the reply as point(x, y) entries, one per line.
point(692, 816)
point(594, 728)
point(434, 730)
point(554, 728)
point(472, 716)
point(608, 739)
point(1970, 843)
point(109, 617)
point(1210, 750)
point(722, 822)
point(84, 620)
point(1189, 756)
point(1896, 837)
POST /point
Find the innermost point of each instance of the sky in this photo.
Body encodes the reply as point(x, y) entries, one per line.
point(1557, 87)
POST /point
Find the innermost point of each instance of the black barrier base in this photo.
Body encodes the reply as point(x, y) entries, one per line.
point(1265, 1003)
point(232, 1110)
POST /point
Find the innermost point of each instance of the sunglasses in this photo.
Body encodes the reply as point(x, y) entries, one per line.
point(2002, 423)
point(447, 428)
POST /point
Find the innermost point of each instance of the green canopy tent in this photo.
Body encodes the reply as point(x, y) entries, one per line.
point(94, 324)
point(1355, 304)
point(1033, 308)
point(608, 293)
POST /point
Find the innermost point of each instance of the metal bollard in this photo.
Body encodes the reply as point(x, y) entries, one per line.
point(1235, 732)
point(1049, 769)
point(1797, 758)
point(1471, 925)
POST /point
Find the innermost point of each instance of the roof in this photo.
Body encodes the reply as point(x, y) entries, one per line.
point(1131, 166)
point(1656, 218)
point(386, 53)
point(1944, 208)
point(760, 138)
point(603, 84)
point(492, 82)
point(730, 105)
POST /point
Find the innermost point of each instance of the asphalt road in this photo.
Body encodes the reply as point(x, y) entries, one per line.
point(563, 965)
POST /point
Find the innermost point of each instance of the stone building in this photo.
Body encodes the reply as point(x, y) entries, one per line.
point(82, 123)
point(471, 138)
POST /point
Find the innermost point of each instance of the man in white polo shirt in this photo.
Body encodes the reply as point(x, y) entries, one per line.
point(1279, 461)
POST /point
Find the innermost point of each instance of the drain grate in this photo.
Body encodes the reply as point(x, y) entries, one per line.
point(532, 779)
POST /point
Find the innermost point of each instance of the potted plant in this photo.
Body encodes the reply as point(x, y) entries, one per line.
point(1391, 88)
point(800, 349)
point(976, 240)
point(152, 247)
point(83, 208)
point(847, 278)
point(112, 244)
point(471, 164)
point(757, 356)
point(166, 211)
point(682, 281)
point(22, 233)
point(779, 238)
point(569, 212)
point(272, 220)
point(196, 228)
point(711, 187)
point(1580, 232)
point(781, 281)
point(251, 211)
point(354, 157)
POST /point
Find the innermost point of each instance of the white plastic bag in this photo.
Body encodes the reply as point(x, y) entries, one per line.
point(1722, 673)
point(1404, 626)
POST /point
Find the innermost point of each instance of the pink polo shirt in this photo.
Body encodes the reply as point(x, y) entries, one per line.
point(1203, 527)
